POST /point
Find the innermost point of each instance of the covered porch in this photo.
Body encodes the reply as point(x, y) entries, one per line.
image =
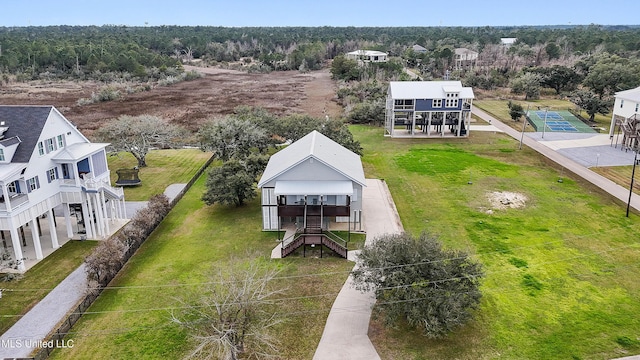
point(45, 234)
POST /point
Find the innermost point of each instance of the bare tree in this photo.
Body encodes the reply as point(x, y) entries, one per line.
point(137, 134)
point(233, 314)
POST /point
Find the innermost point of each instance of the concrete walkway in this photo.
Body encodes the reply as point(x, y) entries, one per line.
point(570, 160)
point(345, 333)
point(24, 336)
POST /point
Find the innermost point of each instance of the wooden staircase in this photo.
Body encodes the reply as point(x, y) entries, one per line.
point(335, 244)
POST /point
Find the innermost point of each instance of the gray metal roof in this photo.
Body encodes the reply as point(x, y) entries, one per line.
point(318, 146)
point(25, 122)
point(631, 94)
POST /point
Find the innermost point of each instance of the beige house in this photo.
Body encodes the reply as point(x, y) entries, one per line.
point(465, 58)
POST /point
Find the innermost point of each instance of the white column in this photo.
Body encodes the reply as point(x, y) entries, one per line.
point(5, 194)
point(17, 247)
point(67, 219)
point(36, 239)
point(86, 211)
point(460, 122)
point(103, 206)
point(429, 124)
point(52, 230)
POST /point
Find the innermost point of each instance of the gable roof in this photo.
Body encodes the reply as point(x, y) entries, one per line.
point(26, 123)
point(368, 53)
point(464, 51)
point(427, 89)
point(418, 48)
point(631, 94)
point(317, 146)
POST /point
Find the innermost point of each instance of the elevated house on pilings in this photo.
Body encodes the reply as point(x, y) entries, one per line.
point(428, 109)
point(309, 189)
point(46, 164)
point(625, 119)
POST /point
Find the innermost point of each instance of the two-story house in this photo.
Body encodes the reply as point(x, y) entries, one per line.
point(428, 109)
point(625, 117)
point(47, 164)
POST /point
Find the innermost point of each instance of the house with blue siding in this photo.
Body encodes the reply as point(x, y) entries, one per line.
point(428, 109)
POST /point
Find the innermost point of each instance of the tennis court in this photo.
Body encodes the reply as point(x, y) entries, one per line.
point(557, 121)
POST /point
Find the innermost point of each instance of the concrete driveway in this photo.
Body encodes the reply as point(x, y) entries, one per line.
point(345, 335)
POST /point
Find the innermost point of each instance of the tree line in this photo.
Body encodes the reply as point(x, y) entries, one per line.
point(87, 49)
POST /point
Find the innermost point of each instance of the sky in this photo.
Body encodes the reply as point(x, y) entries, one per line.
point(237, 13)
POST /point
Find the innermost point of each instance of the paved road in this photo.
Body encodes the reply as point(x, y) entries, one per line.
point(345, 333)
point(575, 167)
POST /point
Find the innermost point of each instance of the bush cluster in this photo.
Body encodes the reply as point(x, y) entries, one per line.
point(110, 255)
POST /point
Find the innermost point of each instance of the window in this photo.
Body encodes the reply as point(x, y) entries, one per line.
point(40, 148)
point(50, 145)
point(52, 174)
point(437, 103)
point(404, 104)
point(621, 103)
point(452, 103)
point(33, 184)
point(637, 107)
point(11, 188)
point(1, 154)
point(60, 141)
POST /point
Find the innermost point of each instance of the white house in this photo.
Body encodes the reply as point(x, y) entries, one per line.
point(465, 58)
point(313, 184)
point(46, 163)
point(507, 42)
point(428, 109)
point(368, 56)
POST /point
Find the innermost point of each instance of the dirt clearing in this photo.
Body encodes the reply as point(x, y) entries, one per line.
point(187, 103)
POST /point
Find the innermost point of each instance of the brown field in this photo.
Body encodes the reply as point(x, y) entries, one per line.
point(187, 103)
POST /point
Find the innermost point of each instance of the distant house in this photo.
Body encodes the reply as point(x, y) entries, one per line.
point(428, 109)
point(626, 116)
point(368, 56)
point(419, 49)
point(311, 186)
point(465, 58)
point(47, 164)
point(507, 42)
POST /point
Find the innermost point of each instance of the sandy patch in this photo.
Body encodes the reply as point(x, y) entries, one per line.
point(501, 200)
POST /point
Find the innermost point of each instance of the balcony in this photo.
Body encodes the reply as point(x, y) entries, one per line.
point(15, 201)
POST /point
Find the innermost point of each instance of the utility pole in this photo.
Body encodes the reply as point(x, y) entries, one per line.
point(633, 173)
point(524, 124)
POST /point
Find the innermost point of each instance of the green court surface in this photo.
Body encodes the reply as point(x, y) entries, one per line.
point(557, 121)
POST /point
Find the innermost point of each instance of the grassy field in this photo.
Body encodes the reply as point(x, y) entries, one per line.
point(164, 167)
point(132, 320)
point(22, 294)
point(561, 272)
point(621, 175)
point(499, 109)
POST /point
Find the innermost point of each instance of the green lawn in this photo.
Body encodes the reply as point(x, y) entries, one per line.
point(132, 321)
point(164, 167)
point(22, 294)
point(561, 272)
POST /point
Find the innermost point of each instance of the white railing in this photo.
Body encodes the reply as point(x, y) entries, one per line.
point(91, 183)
